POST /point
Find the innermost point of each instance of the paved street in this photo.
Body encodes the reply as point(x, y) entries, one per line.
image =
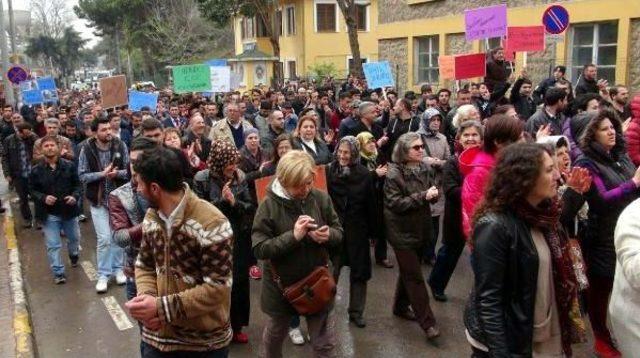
point(73, 321)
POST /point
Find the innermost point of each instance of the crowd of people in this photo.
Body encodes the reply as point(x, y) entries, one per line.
point(531, 180)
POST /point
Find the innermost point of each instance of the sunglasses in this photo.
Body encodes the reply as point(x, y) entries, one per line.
point(418, 147)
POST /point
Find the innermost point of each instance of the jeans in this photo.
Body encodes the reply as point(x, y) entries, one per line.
point(51, 229)
point(446, 262)
point(150, 352)
point(110, 256)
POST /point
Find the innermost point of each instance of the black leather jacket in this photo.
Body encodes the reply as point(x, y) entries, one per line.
point(500, 310)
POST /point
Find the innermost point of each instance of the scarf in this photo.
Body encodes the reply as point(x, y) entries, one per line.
point(363, 139)
point(221, 155)
point(354, 146)
point(546, 218)
point(427, 116)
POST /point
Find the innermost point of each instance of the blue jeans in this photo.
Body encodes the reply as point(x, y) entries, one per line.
point(446, 262)
point(110, 256)
point(51, 229)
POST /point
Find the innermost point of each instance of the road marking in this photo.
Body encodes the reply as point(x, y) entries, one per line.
point(91, 273)
point(117, 314)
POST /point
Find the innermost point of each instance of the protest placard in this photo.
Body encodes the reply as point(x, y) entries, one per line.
point(236, 80)
point(220, 79)
point(216, 62)
point(378, 74)
point(46, 83)
point(485, 22)
point(114, 91)
point(31, 97)
point(470, 66)
point(447, 67)
point(191, 78)
point(138, 99)
point(320, 183)
point(525, 38)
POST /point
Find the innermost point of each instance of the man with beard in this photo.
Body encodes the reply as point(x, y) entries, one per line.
point(102, 167)
point(55, 189)
point(620, 101)
point(551, 115)
point(185, 313)
point(588, 82)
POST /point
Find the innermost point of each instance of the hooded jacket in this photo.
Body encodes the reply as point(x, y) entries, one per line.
point(475, 166)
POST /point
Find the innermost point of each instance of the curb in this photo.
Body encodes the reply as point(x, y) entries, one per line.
point(21, 320)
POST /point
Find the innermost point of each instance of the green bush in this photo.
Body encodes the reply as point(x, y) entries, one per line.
point(322, 70)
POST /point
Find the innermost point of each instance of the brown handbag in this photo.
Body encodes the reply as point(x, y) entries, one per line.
point(312, 294)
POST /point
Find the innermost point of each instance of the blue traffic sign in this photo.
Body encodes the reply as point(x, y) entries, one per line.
point(17, 74)
point(555, 19)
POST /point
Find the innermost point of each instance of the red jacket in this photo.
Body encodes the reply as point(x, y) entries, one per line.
point(475, 165)
point(632, 135)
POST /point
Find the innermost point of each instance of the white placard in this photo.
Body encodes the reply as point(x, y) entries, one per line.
point(220, 79)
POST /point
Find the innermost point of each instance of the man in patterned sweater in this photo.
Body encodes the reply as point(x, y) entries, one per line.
point(183, 270)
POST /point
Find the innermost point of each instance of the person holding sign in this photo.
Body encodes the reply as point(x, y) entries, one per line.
point(498, 71)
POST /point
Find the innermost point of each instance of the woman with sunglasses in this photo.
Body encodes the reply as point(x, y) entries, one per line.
point(408, 192)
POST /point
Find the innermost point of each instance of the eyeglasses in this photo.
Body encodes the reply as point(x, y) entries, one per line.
point(418, 147)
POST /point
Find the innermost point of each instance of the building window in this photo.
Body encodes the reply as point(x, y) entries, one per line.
point(326, 19)
point(361, 17)
point(426, 59)
point(291, 67)
point(261, 27)
point(279, 23)
point(291, 21)
point(594, 43)
point(243, 28)
point(247, 28)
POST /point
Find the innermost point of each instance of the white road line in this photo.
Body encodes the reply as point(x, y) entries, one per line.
point(117, 314)
point(91, 273)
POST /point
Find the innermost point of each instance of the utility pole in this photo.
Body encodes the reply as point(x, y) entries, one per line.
point(12, 32)
point(8, 89)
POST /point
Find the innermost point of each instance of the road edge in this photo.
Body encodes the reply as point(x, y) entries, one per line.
point(23, 334)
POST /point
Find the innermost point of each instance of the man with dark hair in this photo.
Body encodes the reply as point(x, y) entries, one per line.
point(16, 165)
point(521, 97)
point(550, 116)
point(498, 71)
point(343, 111)
point(444, 95)
point(174, 119)
point(126, 211)
point(261, 120)
point(7, 127)
point(191, 304)
point(124, 134)
point(588, 82)
point(56, 190)
point(152, 128)
point(102, 167)
point(620, 101)
point(52, 126)
point(558, 73)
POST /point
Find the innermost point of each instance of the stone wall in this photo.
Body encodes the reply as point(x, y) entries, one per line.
point(538, 63)
point(396, 51)
point(634, 57)
point(398, 10)
point(456, 44)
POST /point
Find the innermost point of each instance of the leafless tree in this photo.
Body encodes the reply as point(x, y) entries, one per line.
point(50, 17)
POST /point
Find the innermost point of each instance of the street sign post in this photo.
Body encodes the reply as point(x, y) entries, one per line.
point(555, 19)
point(17, 74)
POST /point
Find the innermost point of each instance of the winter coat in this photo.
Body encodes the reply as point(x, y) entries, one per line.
point(612, 190)
point(498, 73)
point(475, 166)
point(406, 209)
point(273, 241)
point(452, 189)
point(437, 147)
point(60, 182)
point(624, 306)
point(632, 135)
point(586, 86)
point(501, 306)
point(11, 162)
point(353, 201)
point(126, 212)
point(540, 118)
point(322, 154)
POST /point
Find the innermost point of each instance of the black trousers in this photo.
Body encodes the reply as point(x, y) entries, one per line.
point(446, 262)
point(151, 352)
point(22, 189)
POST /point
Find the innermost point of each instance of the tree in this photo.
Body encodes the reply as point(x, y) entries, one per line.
point(67, 52)
point(43, 48)
point(50, 17)
point(222, 12)
point(350, 14)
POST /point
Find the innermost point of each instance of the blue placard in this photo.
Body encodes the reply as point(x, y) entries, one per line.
point(46, 83)
point(138, 99)
point(378, 74)
point(555, 19)
point(32, 97)
point(216, 62)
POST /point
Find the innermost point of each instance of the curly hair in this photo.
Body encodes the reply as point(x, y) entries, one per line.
point(589, 135)
point(515, 175)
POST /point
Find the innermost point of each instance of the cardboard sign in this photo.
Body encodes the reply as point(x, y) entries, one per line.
point(138, 99)
point(378, 74)
point(191, 78)
point(319, 183)
point(447, 67)
point(485, 22)
point(470, 66)
point(31, 97)
point(114, 91)
point(220, 79)
point(46, 83)
point(525, 38)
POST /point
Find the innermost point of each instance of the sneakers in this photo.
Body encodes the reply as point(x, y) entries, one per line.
point(358, 321)
point(102, 285)
point(604, 349)
point(74, 260)
point(255, 273)
point(59, 279)
point(121, 279)
point(296, 336)
point(82, 218)
point(432, 332)
point(240, 337)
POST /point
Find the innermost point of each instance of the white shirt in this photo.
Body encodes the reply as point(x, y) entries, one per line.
point(168, 221)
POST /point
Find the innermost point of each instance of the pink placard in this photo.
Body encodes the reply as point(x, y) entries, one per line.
point(485, 22)
point(447, 65)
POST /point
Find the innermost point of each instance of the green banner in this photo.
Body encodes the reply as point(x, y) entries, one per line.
point(191, 78)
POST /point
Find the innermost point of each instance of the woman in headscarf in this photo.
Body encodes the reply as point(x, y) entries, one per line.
point(436, 155)
point(370, 158)
point(350, 186)
point(224, 185)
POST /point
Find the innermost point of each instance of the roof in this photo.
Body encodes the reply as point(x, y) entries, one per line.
point(252, 55)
